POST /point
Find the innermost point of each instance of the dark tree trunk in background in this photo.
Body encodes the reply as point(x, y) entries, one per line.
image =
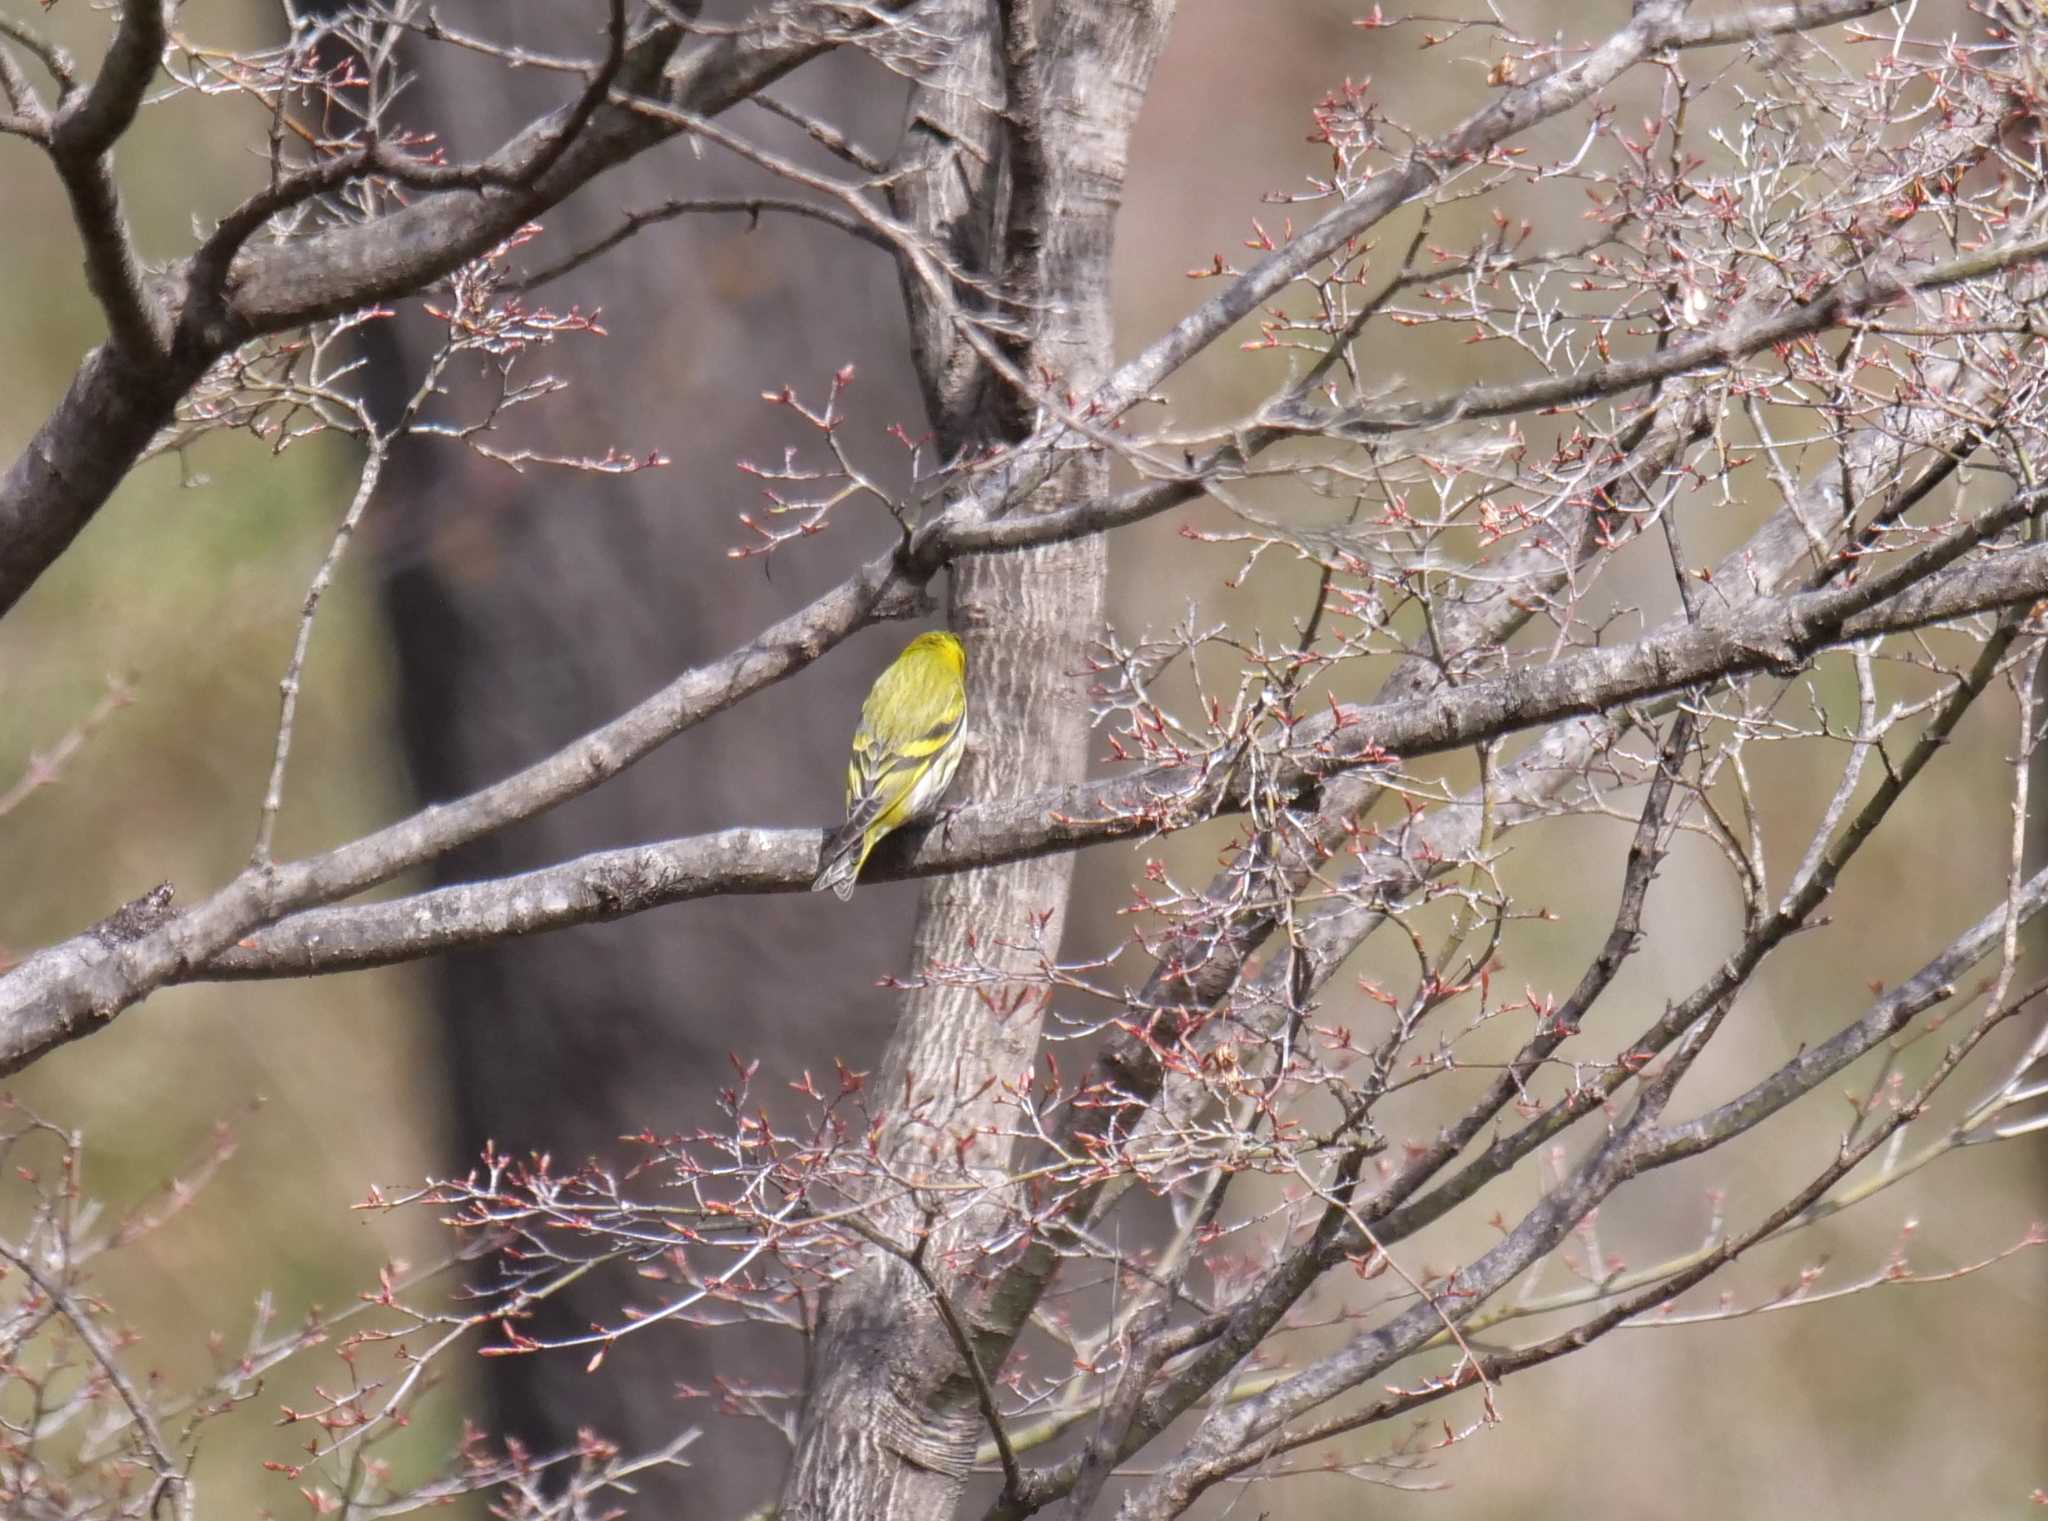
point(526, 609)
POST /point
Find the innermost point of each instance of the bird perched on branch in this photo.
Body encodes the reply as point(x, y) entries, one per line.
point(913, 729)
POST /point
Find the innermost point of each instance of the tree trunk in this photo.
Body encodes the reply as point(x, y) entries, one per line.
point(893, 1416)
point(527, 608)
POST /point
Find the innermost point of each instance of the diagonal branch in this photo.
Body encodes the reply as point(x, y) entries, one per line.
point(91, 123)
point(1496, 1366)
point(114, 407)
point(99, 430)
point(752, 205)
point(48, 997)
point(617, 883)
point(81, 138)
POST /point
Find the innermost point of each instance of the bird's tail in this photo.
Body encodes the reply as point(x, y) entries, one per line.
point(845, 850)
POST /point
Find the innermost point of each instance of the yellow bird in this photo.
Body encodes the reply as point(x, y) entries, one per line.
point(913, 729)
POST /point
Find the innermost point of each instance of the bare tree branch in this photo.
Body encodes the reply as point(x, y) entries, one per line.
point(116, 405)
point(66, 990)
point(752, 205)
point(1306, 1038)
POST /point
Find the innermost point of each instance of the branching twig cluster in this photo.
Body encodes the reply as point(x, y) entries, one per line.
point(91, 1430)
point(1802, 316)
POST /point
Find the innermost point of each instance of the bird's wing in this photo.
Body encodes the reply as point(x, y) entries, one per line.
point(883, 772)
point(906, 721)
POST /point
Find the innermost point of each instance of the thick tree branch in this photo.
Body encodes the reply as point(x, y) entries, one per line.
point(81, 140)
point(61, 992)
point(64, 991)
point(612, 884)
point(93, 122)
point(26, 115)
point(78, 457)
point(1772, 21)
point(58, 63)
point(395, 255)
point(113, 408)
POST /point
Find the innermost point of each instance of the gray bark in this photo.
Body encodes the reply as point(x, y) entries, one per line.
point(895, 1409)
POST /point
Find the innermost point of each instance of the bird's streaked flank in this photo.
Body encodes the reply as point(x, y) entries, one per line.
point(913, 729)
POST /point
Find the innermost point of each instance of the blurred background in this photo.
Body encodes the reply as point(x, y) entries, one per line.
point(487, 616)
